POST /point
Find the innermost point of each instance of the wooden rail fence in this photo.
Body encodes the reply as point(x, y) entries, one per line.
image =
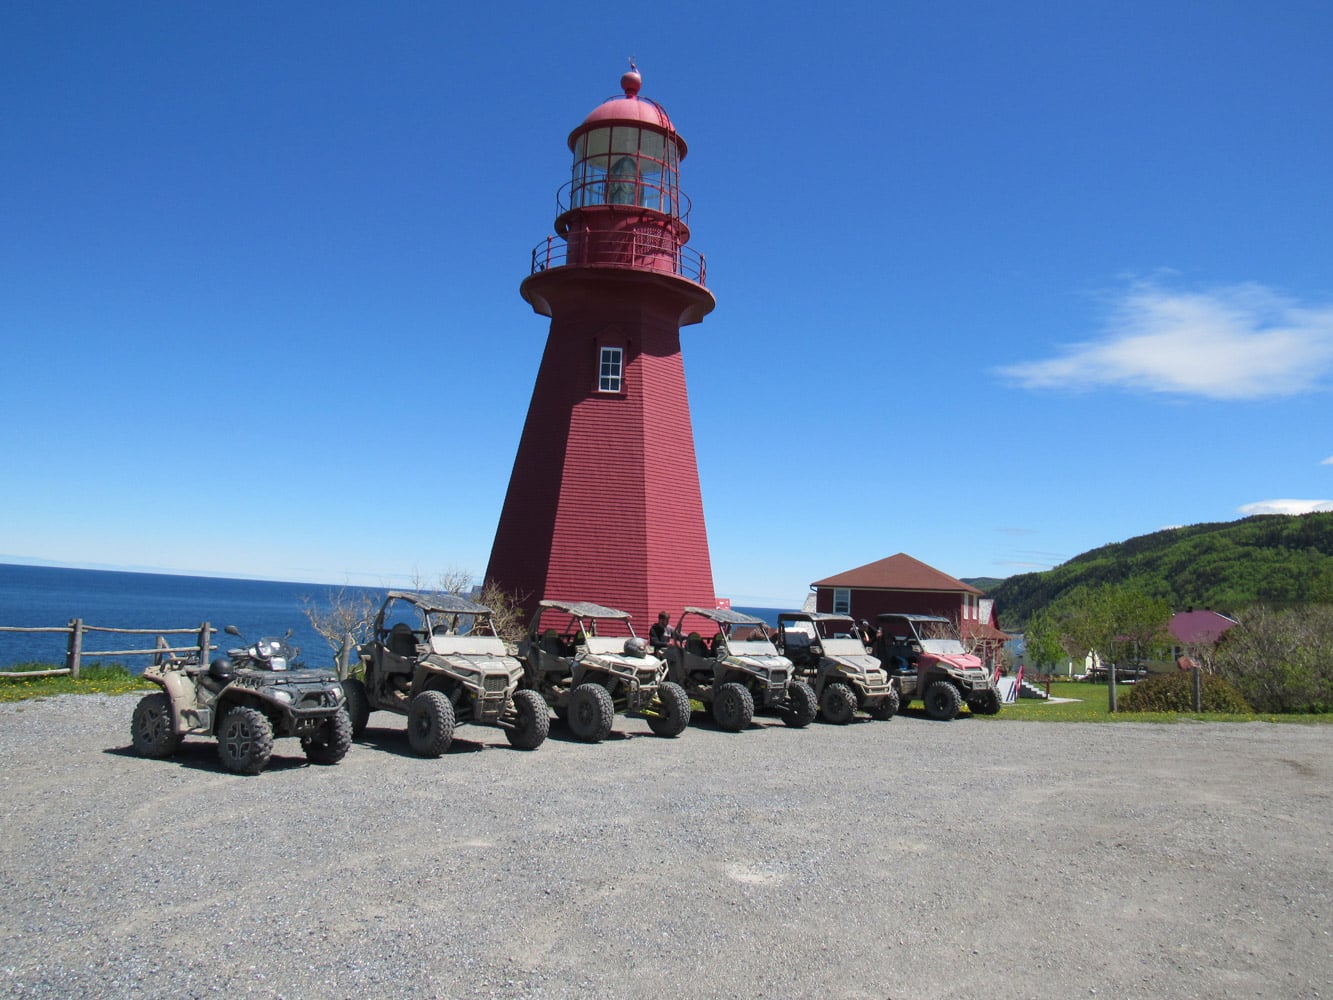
point(77, 629)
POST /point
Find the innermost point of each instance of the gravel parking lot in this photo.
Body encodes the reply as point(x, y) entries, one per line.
point(908, 859)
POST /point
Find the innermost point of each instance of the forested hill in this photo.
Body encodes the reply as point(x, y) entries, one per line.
point(1275, 559)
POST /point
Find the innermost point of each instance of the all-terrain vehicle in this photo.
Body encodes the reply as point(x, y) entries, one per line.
point(245, 701)
point(438, 660)
point(828, 653)
point(736, 670)
point(587, 678)
point(926, 660)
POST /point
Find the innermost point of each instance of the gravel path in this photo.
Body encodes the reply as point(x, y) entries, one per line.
point(907, 859)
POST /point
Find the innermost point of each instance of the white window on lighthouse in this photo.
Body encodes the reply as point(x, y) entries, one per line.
point(610, 369)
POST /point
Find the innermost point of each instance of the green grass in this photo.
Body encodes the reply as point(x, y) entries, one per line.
point(94, 678)
point(1091, 706)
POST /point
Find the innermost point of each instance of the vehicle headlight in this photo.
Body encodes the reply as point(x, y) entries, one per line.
point(284, 696)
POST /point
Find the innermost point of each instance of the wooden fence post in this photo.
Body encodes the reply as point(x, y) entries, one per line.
point(75, 646)
point(205, 640)
point(1198, 689)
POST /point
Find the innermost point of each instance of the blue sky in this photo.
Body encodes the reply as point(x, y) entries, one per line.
point(997, 283)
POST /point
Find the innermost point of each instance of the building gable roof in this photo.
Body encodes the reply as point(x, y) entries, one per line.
point(900, 572)
point(1199, 627)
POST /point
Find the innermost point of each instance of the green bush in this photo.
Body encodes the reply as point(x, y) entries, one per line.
point(1175, 693)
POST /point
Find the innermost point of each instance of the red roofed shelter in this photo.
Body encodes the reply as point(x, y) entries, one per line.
point(906, 585)
point(603, 502)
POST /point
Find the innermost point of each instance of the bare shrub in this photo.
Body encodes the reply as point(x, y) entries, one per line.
point(1281, 661)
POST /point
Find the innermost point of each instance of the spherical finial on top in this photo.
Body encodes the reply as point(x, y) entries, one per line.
point(631, 81)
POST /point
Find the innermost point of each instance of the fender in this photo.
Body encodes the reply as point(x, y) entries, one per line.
point(190, 717)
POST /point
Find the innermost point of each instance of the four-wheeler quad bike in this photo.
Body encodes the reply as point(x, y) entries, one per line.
point(438, 660)
point(245, 701)
point(737, 670)
point(829, 655)
point(587, 678)
point(926, 660)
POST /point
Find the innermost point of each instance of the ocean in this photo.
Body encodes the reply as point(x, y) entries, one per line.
point(47, 596)
point(44, 596)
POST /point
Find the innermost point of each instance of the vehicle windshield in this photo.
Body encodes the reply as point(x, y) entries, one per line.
point(449, 623)
point(938, 637)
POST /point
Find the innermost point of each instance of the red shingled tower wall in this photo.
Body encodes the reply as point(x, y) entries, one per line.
point(603, 502)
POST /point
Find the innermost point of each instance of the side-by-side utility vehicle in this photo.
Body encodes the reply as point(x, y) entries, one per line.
point(587, 664)
point(926, 659)
point(244, 700)
point(735, 669)
point(436, 658)
point(827, 651)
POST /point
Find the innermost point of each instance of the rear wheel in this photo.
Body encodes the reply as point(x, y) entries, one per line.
point(152, 728)
point(332, 742)
point(591, 712)
point(838, 704)
point(674, 709)
point(430, 724)
point(533, 721)
point(733, 706)
point(245, 740)
point(802, 706)
point(358, 705)
point(942, 701)
point(887, 708)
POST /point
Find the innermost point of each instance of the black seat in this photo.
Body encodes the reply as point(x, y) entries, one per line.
point(402, 641)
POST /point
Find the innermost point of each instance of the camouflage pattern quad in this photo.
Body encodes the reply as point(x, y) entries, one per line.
point(736, 671)
point(437, 659)
point(828, 653)
point(245, 701)
point(587, 664)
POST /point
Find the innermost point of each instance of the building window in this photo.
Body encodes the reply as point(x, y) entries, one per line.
point(610, 369)
point(842, 601)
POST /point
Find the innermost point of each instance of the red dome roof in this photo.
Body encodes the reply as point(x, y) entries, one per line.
point(630, 108)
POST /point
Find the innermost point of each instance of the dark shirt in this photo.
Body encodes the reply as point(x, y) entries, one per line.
point(659, 636)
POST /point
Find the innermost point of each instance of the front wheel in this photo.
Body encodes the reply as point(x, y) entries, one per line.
point(591, 712)
point(245, 740)
point(430, 724)
point(838, 705)
point(358, 705)
point(987, 703)
point(674, 710)
point(152, 728)
point(887, 708)
point(332, 742)
point(533, 722)
point(733, 706)
point(802, 706)
point(942, 701)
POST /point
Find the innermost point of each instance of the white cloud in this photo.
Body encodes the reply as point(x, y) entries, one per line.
point(1286, 507)
point(1241, 342)
point(1327, 461)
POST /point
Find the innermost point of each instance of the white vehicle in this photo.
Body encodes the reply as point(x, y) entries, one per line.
point(587, 677)
point(827, 651)
point(736, 670)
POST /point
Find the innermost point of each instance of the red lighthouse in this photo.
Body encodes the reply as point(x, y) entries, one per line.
point(603, 502)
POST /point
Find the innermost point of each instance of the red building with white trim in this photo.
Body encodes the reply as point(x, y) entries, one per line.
point(908, 586)
point(604, 503)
